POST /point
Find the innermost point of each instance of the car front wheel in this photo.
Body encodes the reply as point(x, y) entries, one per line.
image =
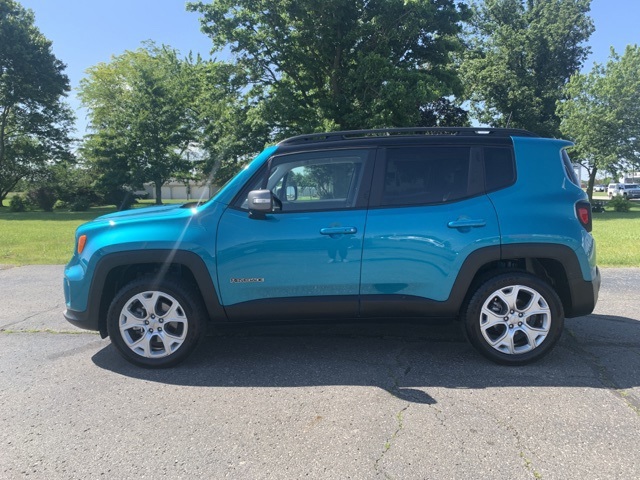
point(514, 318)
point(155, 324)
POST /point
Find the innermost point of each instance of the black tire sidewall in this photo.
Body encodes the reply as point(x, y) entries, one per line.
point(471, 317)
point(191, 305)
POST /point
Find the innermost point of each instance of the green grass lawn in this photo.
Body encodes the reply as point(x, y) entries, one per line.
point(39, 238)
point(618, 238)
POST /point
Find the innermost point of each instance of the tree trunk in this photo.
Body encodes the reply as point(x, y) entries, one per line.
point(592, 181)
point(158, 185)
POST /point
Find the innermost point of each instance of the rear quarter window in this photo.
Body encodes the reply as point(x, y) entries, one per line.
point(499, 170)
point(568, 168)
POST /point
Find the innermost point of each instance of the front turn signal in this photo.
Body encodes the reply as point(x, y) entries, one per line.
point(82, 241)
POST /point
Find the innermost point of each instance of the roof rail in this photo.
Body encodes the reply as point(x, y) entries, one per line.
point(385, 132)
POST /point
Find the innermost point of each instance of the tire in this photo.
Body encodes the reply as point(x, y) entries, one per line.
point(514, 318)
point(155, 324)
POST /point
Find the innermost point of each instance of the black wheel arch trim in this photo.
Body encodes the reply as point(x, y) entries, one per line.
point(94, 317)
point(582, 294)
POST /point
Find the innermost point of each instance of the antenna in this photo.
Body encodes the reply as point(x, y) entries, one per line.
point(509, 120)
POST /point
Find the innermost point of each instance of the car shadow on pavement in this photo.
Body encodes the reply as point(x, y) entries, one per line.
point(410, 362)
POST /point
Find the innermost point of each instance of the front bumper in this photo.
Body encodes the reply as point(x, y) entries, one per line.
point(82, 319)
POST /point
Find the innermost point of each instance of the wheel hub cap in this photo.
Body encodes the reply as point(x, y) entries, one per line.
point(515, 319)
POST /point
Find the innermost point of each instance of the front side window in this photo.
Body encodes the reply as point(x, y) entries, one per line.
point(315, 181)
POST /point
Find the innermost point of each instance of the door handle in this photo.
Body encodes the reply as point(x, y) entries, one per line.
point(338, 230)
point(467, 223)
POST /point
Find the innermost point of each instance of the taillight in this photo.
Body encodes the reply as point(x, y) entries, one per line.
point(583, 212)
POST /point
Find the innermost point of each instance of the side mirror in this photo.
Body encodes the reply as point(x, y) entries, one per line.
point(292, 193)
point(259, 202)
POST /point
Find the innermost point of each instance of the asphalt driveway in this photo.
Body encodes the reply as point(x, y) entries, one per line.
point(387, 401)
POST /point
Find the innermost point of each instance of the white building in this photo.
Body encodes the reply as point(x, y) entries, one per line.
point(175, 190)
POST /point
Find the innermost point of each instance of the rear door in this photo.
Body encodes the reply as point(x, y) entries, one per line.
point(430, 213)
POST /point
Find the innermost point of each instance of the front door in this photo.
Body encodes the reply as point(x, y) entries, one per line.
point(302, 260)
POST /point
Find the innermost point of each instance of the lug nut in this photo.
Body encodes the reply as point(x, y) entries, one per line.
point(520, 315)
point(146, 322)
point(511, 326)
point(159, 329)
point(519, 324)
point(506, 319)
point(162, 320)
point(151, 330)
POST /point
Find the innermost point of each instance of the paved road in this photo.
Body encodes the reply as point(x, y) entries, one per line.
point(390, 402)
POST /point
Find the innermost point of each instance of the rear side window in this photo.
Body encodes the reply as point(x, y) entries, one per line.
point(499, 171)
point(425, 175)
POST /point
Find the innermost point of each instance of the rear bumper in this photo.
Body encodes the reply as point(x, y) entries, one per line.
point(584, 296)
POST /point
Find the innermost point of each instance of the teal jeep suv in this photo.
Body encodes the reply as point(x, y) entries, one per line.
point(487, 226)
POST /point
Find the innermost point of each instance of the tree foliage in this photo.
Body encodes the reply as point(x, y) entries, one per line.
point(34, 121)
point(601, 113)
point(339, 64)
point(231, 125)
point(141, 117)
point(521, 53)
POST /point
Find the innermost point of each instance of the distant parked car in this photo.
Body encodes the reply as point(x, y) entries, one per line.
point(599, 188)
point(627, 190)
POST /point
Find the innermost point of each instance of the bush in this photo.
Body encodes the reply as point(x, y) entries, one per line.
point(122, 198)
point(44, 197)
point(17, 204)
point(619, 204)
point(80, 204)
point(77, 198)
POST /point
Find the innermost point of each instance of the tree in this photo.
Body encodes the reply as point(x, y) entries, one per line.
point(34, 121)
point(339, 64)
point(521, 54)
point(232, 127)
point(140, 117)
point(601, 113)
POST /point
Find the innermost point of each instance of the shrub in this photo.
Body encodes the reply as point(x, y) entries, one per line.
point(122, 198)
point(80, 204)
point(17, 204)
point(44, 197)
point(620, 204)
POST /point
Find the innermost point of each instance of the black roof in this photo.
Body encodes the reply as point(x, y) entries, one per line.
point(387, 132)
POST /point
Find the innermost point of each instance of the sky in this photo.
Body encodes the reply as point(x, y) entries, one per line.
point(87, 32)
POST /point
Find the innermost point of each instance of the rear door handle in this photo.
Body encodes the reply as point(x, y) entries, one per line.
point(338, 230)
point(467, 223)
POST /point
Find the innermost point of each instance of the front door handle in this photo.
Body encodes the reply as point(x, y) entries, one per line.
point(338, 230)
point(467, 223)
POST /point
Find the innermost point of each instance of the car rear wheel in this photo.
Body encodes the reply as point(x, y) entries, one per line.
point(155, 324)
point(514, 318)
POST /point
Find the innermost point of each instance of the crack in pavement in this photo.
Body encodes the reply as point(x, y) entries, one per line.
point(602, 373)
point(520, 445)
point(11, 324)
point(389, 442)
